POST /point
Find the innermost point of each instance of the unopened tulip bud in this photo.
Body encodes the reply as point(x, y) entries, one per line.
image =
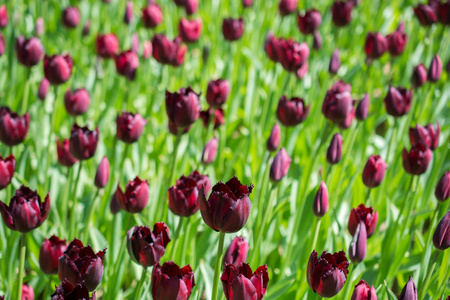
point(280, 166)
point(426, 14)
point(7, 169)
point(51, 250)
point(335, 62)
point(342, 12)
point(374, 171)
point(102, 175)
point(77, 102)
point(358, 246)
point(71, 17)
point(273, 142)
point(210, 151)
point(317, 40)
point(236, 252)
point(320, 204)
point(2, 44)
point(409, 291)
point(398, 101)
point(441, 236)
point(13, 127)
point(363, 291)
point(247, 3)
point(148, 49)
point(435, 69)
point(128, 16)
point(58, 68)
point(39, 27)
point(29, 51)
point(397, 41)
point(362, 110)
point(419, 76)
point(287, 7)
point(334, 151)
point(135, 43)
point(86, 28)
point(442, 191)
point(4, 18)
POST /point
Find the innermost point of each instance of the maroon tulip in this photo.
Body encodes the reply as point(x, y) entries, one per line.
point(168, 52)
point(425, 14)
point(65, 158)
point(317, 40)
point(417, 160)
point(114, 205)
point(58, 68)
point(441, 236)
point(247, 3)
point(217, 92)
point(179, 2)
point(376, 45)
point(241, 283)
point(232, 29)
point(442, 191)
point(135, 198)
point(191, 7)
point(80, 263)
point(310, 21)
point(126, 64)
point(77, 102)
point(363, 291)
point(29, 51)
point(190, 30)
point(102, 175)
point(435, 69)
point(419, 75)
point(397, 41)
point(13, 128)
point(129, 127)
point(51, 250)
point(152, 15)
point(358, 246)
point(170, 282)
point(335, 62)
point(338, 104)
point(183, 197)
point(294, 57)
point(363, 214)
point(286, 7)
point(4, 18)
point(83, 142)
point(443, 13)
point(327, 275)
point(2, 44)
point(210, 151)
point(398, 101)
point(68, 291)
point(320, 204)
point(427, 136)
point(107, 45)
point(7, 169)
point(86, 28)
point(409, 291)
point(71, 17)
point(280, 166)
point(362, 110)
point(27, 292)
point(183, 107)
point(228, 206)
point(341, 13)
point(39, 27)
point(43, 89)
point(218, 117)
point(293, 111)
point(26, 211)
point(334, 151)
point(272, 47)
point(374, 171)
point(128, 16)
point(273, 142)
point(146, 247)
point(236, 253)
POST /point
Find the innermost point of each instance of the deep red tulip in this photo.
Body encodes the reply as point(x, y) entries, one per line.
point(130, 127)
point(26, 211)
point(317, 40)
point(409, 291)
point(68, 291)
point(217, 92)
point(362, 110)
point(236, 253)
point(443, 12)
point(441, 236)
point(71, 17)
point(148, 49)
point(29, 51)
point(435, 69)
point(397, 41)
point(4, 18)
point(417, 160)
point(170, 282)
point(86, 28)
point(152, 15)
point(218, 118)
point(363, 291)
point(419, 75)
point(228, 206)
point(374, 171)
point(183, 107)
point(77, 102)
point(135, 198)
point(190, 30)
point(114, 205)
point(126, 64)
point(83, 142)
point(338, 103)
point(7, 169)
point(334, 151)
point(51, 250)
point(341, 12)
point(168, 52)
point(294, 57)
point(363, 214)
point(65, 158)
point(39, 27)
point(310, 21)
point(358, 246)
point(128, 16)
point(183, 197)
point(247, 3)
point(13, 128)
point(107, 45)
point(241, 283)
point(287, 7)
point(191, 7)
point(43, 89)
point(210, 151)
point(232, 29)
point(272, 47)
point(146, 247)
point(320, 204)
point(398, 101)
point(2, 44)
point(80, 263)
point(102, 175)
point(291, 112)
point(427, 136)
point(442, 191)
point(327, 274)
point(273, 142)
point(58, 68)
point(335, 62)
point(425, 14)
point(280, 166)
point(179, 2)
point(376, 45)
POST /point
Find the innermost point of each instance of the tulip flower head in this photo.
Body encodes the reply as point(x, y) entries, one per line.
point(67, 290)
point(309, 22)
point(317, 40)
point(335, 62)
point(428, 135)
point(397, 41)
point(338, 105)
point(209, 153)
point(170, 282)
point(4, 17)
point(130, 127)
point(65, 158)
point(190, 30)
point(409, 291)
point(107, 45)
point(416, 161)
point(183, 107)
point(51, 250)
point(398, 101)
point(320, 204)
point(7, 169)
point(364, 214)
point(435, 69)
point(426, 14)
point(363, 291)
point(77, 101)
point(27, 292)
point(152, 15)
point(291, 112)
point(273, 142)
point(127, 63)
point(362, 110)
point(286, 7)
point(242, 283)
point(102, 175)
point(442, 191)
point(29, 51)
point(217, 116)
point(334, 151)
point(236, 253)
point(441, 236)
point(376, 45)
point(358, 246)
point(135, 197)
point(128, 16)
point(374, 171)
point(13, 128)
point(419, 75)
point(232, 29)
point(341, 12)
point(83, 142)
point(58, 68)
point(168, 52)
point(280, 166)
point(43, 89)
point(217, 92)
point(71, 17)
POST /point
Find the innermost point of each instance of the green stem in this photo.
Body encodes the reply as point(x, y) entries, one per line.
point(368, 195)
point(23, 250)
point(433, 263)
point(172, 171)
point(316, 234)
point(65, 201)
point(50, 135)
point(217, 267)
point(26, 92)
point(73, 213)
point(91, 215)
point(175, 237)
point(140, 284)
point(185, 241)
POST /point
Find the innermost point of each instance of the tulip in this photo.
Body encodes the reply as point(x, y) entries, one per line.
point(13, 128)
point(77, 102)
point(80, 263)
point(320, 204)
point(362, 110)
point(294, 57)
point(417, 160)
point(26, 211)
point(228, 206)
point(86, 28)
point(293, 111)
point(358, 246)
point(334, 151)
point(286, 7)
point(272, 47)
point(210, 151)
point(363, 291)
point(398, 101)
point(232, 29)
point(247, 3)
point(39, 27)
point(427, 136)
point(128, 16)
point(4, 18)
point(102, 175)
point(335, 62)
point(326, 275)
point(441, 236)
point(419, 76)
point(217, 92)
point(29, 51)
point(425, 14)
point(27, 292)
point(338, 103)
point(7, 169)
point(363, 214)
point(374, 171)
point(317, 40)
point(107, 45)
point(435, 69)
point(442, 191)
point(218, 117)
point(135, 198)
point(129, 127)
point(146, 247)
point(65, 158)
point(183, 197)
point(71, 17)
point(236, 253)
point(341, 13)
point(376, 45)
point(168, 52)
point(397, 41)
point(273, 142)
point(114, 205)
point(126, 64)
point(179, 2)
point(43, 89)
point(68, 291)
point(309, 22)
point(173, 129)
point(58, 68)
point(135, 43)
point(280, 166)
point(443, 14)
point(83, 142)
point(182, 107)
point(170, 282)
point(2, 44)
point(51, 250)
point(148, 49)
point(409, 291)
point(190, 30)
point(241, 283)
point(191, 7)
point(152, 15)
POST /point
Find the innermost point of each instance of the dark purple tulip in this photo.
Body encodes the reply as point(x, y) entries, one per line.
point(39, 27)
point(2, 44)
point(65, 158)
point(170, 282)
point(341, 13)
point(7, 169)
point(217, 92)
point(358, 246)
point(441, 236)
point(80, 263)
point(236, 253)
point(427, 136)
point(135, 198)
point(68, 291)
point(363, 291)
point(280, 166)
point(51, 250)
point(409, 291)
point(376, 45)
point(183, 107)
point(442, 191)
point(241, 283)
point(317, 40)
point(107, 45)
point(294, 57)
point(320, 204)
point(26, 211)
point(129, 127)
point(309, 22)
point(417, 160)
point(327, 274)
point(218, 118)
point(83, 142)
point(102, 175)
point(128, 16)
point(135, 43)
point(183, 197)
point(71, 17)
point(228, 206)
point(152, 15)
point(191, 7)
point(29, 51)
point(13, 128)
point(338, 103)
point(334, 151)
point(272, 47)
point(179, 2)
point(425, 14)
point(443, 12)
point(397, 41)
point(291, 112)
point(114, 205)
point(126, 64)
point(77, 102)
point(232, 29)
point(398, 101)
point(210, 151)
point(273, 142)
point(362, 110)
point(168, 52)
point(190, 30)
point(435, 69)
point(86, 28)
point(374, 171)
point(419, 75)
point(4, 18)
point(287, 7)
point(335, 62)
point(363, 214)
point(247, 3)
point(43, 89)
point(58, 68)
point(146, 247)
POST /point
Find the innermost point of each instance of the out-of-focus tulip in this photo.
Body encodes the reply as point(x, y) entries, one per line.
point(443, 13)
point(210, 151)
point(441, 236)
point(327, 274)
point(363, 214)
point(43, 89)
point(129, 127)
point(191, 7)
point(435, 69)
point(58, 68)
point(217, 92)
point(232, 29)
point(114, 205)
point(409, 291)
point(363, 291)
point(190, 30)
point(2, 44)
point(152, 15)
point(425, 14)
point(272, 47)
point(170, 282)
point(148, 49)
point(362, 110)
point(27, 292)
point(39, 27)
point(68, 291)
point(146, 247)
point(427, 136)
point(317, 40)
point(183, 197)
point(374, 171)
point(334, 151)
point(417, 160)
point(107, 45)
point(127, 63)
point(236, 253)
point(338, 103)
point(102, 175)
point(398, 101)
point(310, 21)
point(247, 3)
point(239, 282)
point(294, 57)
point(71, 17)
point(320, 204)
point(335, 62)
point(135, 198)
point(341, 12)
point(273, 142)
point(65, 158)
point(218, 117)
point(83, 142)
point(228, 206)
point(13, 128)
point(419, 75)
point(29, 51)
point(4, 17)
point(128, 16)
point(51, 250)
point(168, 52)
point(291, 112)
point(376, 45)
point(182, 107)
point(7, 169)
point(77, 102)
point(442, 191)
point(280, 165)
point(287, 7)
point(135, 43)
point(358, 246)
point(26, 211)
point(86, 28)
point(397, 41)
point(80, 263)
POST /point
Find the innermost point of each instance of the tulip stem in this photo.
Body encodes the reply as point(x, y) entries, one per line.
point(316, 233)
point(91, 215)
point(26, 92)
point(426, 282)
point(50, 134)
point(23, 250)
point(368, 196)
point(217, 267)
point(175, 237)
point(74, 202)
point(140, 284)
point(172, 168)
